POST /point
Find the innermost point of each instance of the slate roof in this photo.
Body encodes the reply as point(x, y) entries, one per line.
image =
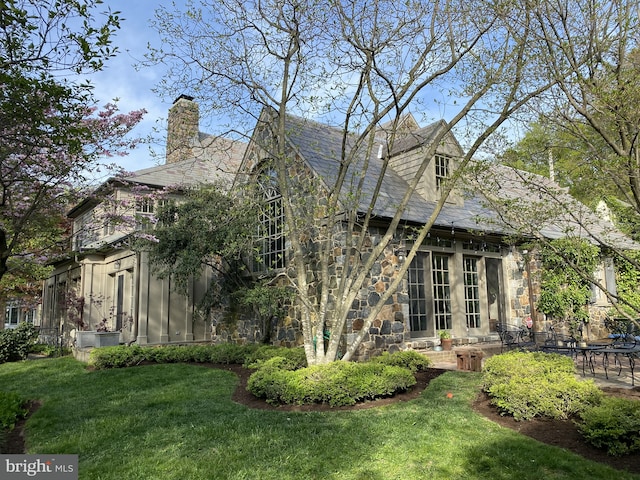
point(320, 146)
point(219, 162)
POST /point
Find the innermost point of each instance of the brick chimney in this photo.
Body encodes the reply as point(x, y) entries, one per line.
point(182, 129)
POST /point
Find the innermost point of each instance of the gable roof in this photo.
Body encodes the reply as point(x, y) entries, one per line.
point(320, 146)
point(217, 161)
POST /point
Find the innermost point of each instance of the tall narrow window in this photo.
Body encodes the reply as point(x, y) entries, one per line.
point(418, 312)
point(271, 241)
point(442, 169)
point(471, 292)
point(441, 292)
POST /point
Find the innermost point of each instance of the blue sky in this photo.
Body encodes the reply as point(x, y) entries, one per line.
point(132, 87)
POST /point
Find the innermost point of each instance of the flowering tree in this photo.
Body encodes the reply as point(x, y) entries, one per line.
point(53, 137)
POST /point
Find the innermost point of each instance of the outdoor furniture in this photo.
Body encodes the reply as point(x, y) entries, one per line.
point(514, 336)
point(559, 343)
point(587, 355)
point(623, 345)
point(629, 353)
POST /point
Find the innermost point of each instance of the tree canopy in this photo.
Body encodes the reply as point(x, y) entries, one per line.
point(54, 139)
point(358, 66)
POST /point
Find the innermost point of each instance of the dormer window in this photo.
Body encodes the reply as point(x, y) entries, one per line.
point(442, 164)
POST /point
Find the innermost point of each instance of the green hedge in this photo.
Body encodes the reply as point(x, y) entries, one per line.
point(225, 353)
point(536, 384)
point(16, 343)
point(409, 359)
point(337, 383)
point(614, 425)
point(11, 409)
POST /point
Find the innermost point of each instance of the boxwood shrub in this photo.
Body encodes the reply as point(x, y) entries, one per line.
point(265, 352)
point(408, 359)
point(337, 383)
point(614, 425)
point(536, 384)
point(225, 353)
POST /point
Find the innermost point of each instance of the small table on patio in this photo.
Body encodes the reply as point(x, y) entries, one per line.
point(631, 353)
point(587, 355)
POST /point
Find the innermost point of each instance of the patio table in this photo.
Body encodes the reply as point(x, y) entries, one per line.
point(587, 355)
point(630, 353)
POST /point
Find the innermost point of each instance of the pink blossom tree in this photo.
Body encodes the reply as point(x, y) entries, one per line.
point(54, 141)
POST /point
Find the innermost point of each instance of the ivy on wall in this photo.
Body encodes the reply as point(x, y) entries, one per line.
point(628, 285)
point(567, 266)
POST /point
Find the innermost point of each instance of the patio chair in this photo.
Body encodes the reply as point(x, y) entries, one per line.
point(514, 336)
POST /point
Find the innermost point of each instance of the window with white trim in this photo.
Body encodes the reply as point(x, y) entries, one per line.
point(442, 164)
point(441, 292)
point(144, 214)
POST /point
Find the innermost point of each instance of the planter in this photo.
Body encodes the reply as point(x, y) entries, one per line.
point(107, 339)
point(85, 338)
point(446, 343)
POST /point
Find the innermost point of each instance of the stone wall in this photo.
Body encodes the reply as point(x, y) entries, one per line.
point(389, 331)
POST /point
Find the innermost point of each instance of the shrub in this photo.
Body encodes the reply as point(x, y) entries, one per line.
point(409, 359)
point(118, 356)
point(337, 383)
point(526, 385)
point(613, 425)
point(11, 409)
point(231, 353)
point(265, 352)
point(15, 344)
point(126, 356)
point(50, 350)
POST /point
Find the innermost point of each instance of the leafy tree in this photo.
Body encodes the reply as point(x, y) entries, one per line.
point(206, 228)
point(547, 147)
point(53, 137)
point(355, 65)
point(594, 104)
point(590, 125)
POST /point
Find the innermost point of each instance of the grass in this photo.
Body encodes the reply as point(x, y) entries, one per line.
point(178, 422)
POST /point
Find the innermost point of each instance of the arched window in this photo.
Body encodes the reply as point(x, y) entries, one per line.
point(270, 239)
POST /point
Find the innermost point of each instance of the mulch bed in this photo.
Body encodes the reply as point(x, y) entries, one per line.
point(561, 433)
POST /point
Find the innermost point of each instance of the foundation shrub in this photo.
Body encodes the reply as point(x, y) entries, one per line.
point(535, 384)
point(231, 353)
point(11, 409)
point(126, 356)
point(613, 425)
point(409, 359)
point(336, 384)
point(118, 357)
point(265, 352)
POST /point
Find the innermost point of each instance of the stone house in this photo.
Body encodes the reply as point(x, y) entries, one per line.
point(468, 276)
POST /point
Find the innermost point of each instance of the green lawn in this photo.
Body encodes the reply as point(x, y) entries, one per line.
point(178, 422)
